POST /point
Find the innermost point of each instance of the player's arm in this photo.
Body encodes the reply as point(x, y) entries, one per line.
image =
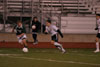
point(21, 35)
point(46, 30)
point(56, 29)
point(39, 26)
point(96, 27)
point(32, 23)
point(13, 29)
point(60, 33)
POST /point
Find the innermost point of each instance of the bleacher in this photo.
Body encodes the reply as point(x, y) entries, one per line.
point(96, 6)
point(1, 6)
point(66, 6)
point(25, 7)
point(56, 9)
point(18, 7)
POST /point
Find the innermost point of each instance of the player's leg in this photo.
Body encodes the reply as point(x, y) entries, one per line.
point(58, 45)
point(97, 45)
point(35, 38)
point(25, 43)
point(20, 40)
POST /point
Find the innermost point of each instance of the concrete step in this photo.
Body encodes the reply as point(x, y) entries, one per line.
point(85, 12)
point(14, 7)
point(65, 5)
point(76, 8)
point(53, 12)
point(18, 14)
point(64, 2)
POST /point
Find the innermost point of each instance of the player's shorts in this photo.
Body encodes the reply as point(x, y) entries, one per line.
point(98, 35)
point(20, 39)
point(54, 38)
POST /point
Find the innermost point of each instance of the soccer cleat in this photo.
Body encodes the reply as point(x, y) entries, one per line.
point(63, 52)
point(96, 51)
point(35, 43)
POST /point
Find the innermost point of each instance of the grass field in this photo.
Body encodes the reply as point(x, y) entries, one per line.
point(14, 57)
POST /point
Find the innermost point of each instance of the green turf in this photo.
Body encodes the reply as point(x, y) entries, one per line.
point(13, 57)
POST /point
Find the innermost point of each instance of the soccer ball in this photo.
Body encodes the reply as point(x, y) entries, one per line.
point(25, 50)
point(33, 27)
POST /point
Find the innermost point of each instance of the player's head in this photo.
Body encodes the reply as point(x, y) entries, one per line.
point(48, 22)
point(98, 16)
point(35, 19)
point(19, 23)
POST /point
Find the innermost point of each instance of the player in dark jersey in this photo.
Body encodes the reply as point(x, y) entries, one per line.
point(20, 33)
point(98, 34)
point(53, 30)
point(35, 29)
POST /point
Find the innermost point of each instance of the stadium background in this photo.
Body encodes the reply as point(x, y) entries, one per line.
point(75, 18)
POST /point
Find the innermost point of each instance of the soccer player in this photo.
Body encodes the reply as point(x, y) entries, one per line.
point(53, 30)
point(35, 28)
point(20, 33)
point(98, 34)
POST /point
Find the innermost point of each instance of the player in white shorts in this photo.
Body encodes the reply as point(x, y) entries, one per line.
point(98, 34)
point(20, 33)
point(53, 30)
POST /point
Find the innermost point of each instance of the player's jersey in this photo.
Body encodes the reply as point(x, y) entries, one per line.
point(98, 23)
point(52, 29)
point(19, 30)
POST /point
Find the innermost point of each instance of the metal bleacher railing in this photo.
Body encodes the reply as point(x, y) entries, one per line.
point(44, 9)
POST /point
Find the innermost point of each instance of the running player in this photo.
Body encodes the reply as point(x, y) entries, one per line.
point(35, 28)
point(20, 33)
point(98, 34)
point(53, 30)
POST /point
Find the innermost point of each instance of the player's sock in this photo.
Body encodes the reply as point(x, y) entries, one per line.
point(97, 46)
point(59, 46)
point(25, 46)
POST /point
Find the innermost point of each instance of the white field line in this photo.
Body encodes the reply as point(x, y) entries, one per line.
point(10, 54)
point(68, 53)
point(82, 54)
point(58, 61)
point(79, 54)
